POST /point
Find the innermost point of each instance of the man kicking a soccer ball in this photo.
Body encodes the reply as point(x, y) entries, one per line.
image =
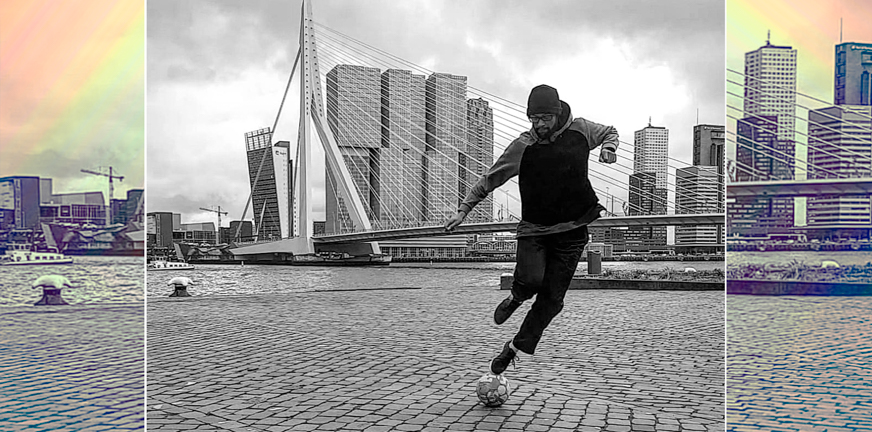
point(557, 204)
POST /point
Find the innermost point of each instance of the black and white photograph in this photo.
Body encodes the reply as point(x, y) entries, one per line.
point(436, 215)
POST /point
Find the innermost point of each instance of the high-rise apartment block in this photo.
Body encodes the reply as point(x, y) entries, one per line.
point(272, 195)
point(648, 193)
point(770, 86)
point(852, 80)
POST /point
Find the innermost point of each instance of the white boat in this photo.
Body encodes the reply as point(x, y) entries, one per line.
point(169, 265)
point(26, 257)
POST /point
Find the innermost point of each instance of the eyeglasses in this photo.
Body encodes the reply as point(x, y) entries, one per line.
point(541, 118)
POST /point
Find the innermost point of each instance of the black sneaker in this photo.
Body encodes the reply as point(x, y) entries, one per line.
point(505, 310)
point(501, 361)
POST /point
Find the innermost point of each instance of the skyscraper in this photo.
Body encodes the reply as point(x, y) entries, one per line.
point(272, 200)
point(648, 193)
point(478, 156)
point(770, 86)
point(446, 137)
point(354, 108)
point(403, 143)
point(651, 152)
point(853, 67)
point(708, 145)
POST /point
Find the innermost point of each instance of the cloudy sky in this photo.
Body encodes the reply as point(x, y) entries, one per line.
point(217, 69)
point(72, 92)
point(812, 27)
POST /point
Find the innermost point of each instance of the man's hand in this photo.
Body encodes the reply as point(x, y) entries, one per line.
point(455, 220)
point(608, 156)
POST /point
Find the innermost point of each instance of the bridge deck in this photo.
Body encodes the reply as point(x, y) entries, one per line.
point(795, 188)
point(486, 227)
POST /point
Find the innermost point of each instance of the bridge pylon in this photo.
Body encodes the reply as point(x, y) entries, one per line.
point(313, 116)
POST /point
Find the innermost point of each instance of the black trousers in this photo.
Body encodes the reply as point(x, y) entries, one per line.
point(545, 266)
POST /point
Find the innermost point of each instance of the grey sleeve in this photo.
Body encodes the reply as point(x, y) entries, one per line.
point(597, 134)
point(507, 166)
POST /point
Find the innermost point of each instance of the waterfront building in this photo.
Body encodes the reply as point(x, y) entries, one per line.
point(159, 229)
point(446, 114)
point(770, 86)
point(19, 202)
point(402, 150)
point(696, 191)
point(853, 67)
point(452, 246)
point(272, 196)
point(354, 115)
point(840, 146)
point(478, 156)
point(201, 232)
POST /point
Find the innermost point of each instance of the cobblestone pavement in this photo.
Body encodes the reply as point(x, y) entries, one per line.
point(799, 363)
point(72, 368)
point(407, 360)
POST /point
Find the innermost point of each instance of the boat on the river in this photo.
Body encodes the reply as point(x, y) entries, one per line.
point(169, 265)
point(28, 257)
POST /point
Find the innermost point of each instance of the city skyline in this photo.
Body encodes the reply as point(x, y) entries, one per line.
point(203, 89)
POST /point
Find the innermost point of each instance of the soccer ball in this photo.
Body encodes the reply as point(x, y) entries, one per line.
point(493, 390)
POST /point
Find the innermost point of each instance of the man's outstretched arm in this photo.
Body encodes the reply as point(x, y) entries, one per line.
point(506, 167)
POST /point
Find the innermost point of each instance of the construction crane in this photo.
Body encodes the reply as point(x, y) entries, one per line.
point(218, 233)
point(111, 190)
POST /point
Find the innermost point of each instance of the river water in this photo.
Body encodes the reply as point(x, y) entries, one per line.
point(264, 279)
point(811, 258)
point(95, 279)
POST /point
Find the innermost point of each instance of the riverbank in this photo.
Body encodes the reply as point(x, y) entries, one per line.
point(800, 271)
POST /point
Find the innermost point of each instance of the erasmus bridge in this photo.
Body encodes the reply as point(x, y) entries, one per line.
point(401, 150)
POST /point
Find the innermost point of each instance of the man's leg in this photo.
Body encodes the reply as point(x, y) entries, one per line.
point(529, 273)
point(564, 251)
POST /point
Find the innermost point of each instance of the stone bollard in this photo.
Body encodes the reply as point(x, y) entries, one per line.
point(51, 289)
point(181, 286)
point(594, 262)
point(506, 281)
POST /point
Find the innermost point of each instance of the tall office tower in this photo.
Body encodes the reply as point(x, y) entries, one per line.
point(645, 198)
point(651, 151)
point(708, 146)
point(403, 142)
point(770, 86)
point(446, 137)
point(708, 150)
point(478, 157)
point(840, 146)
point(696, 191)
point(272, 200)
point(853, 67)
point(354, 108)
point(648, 191)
